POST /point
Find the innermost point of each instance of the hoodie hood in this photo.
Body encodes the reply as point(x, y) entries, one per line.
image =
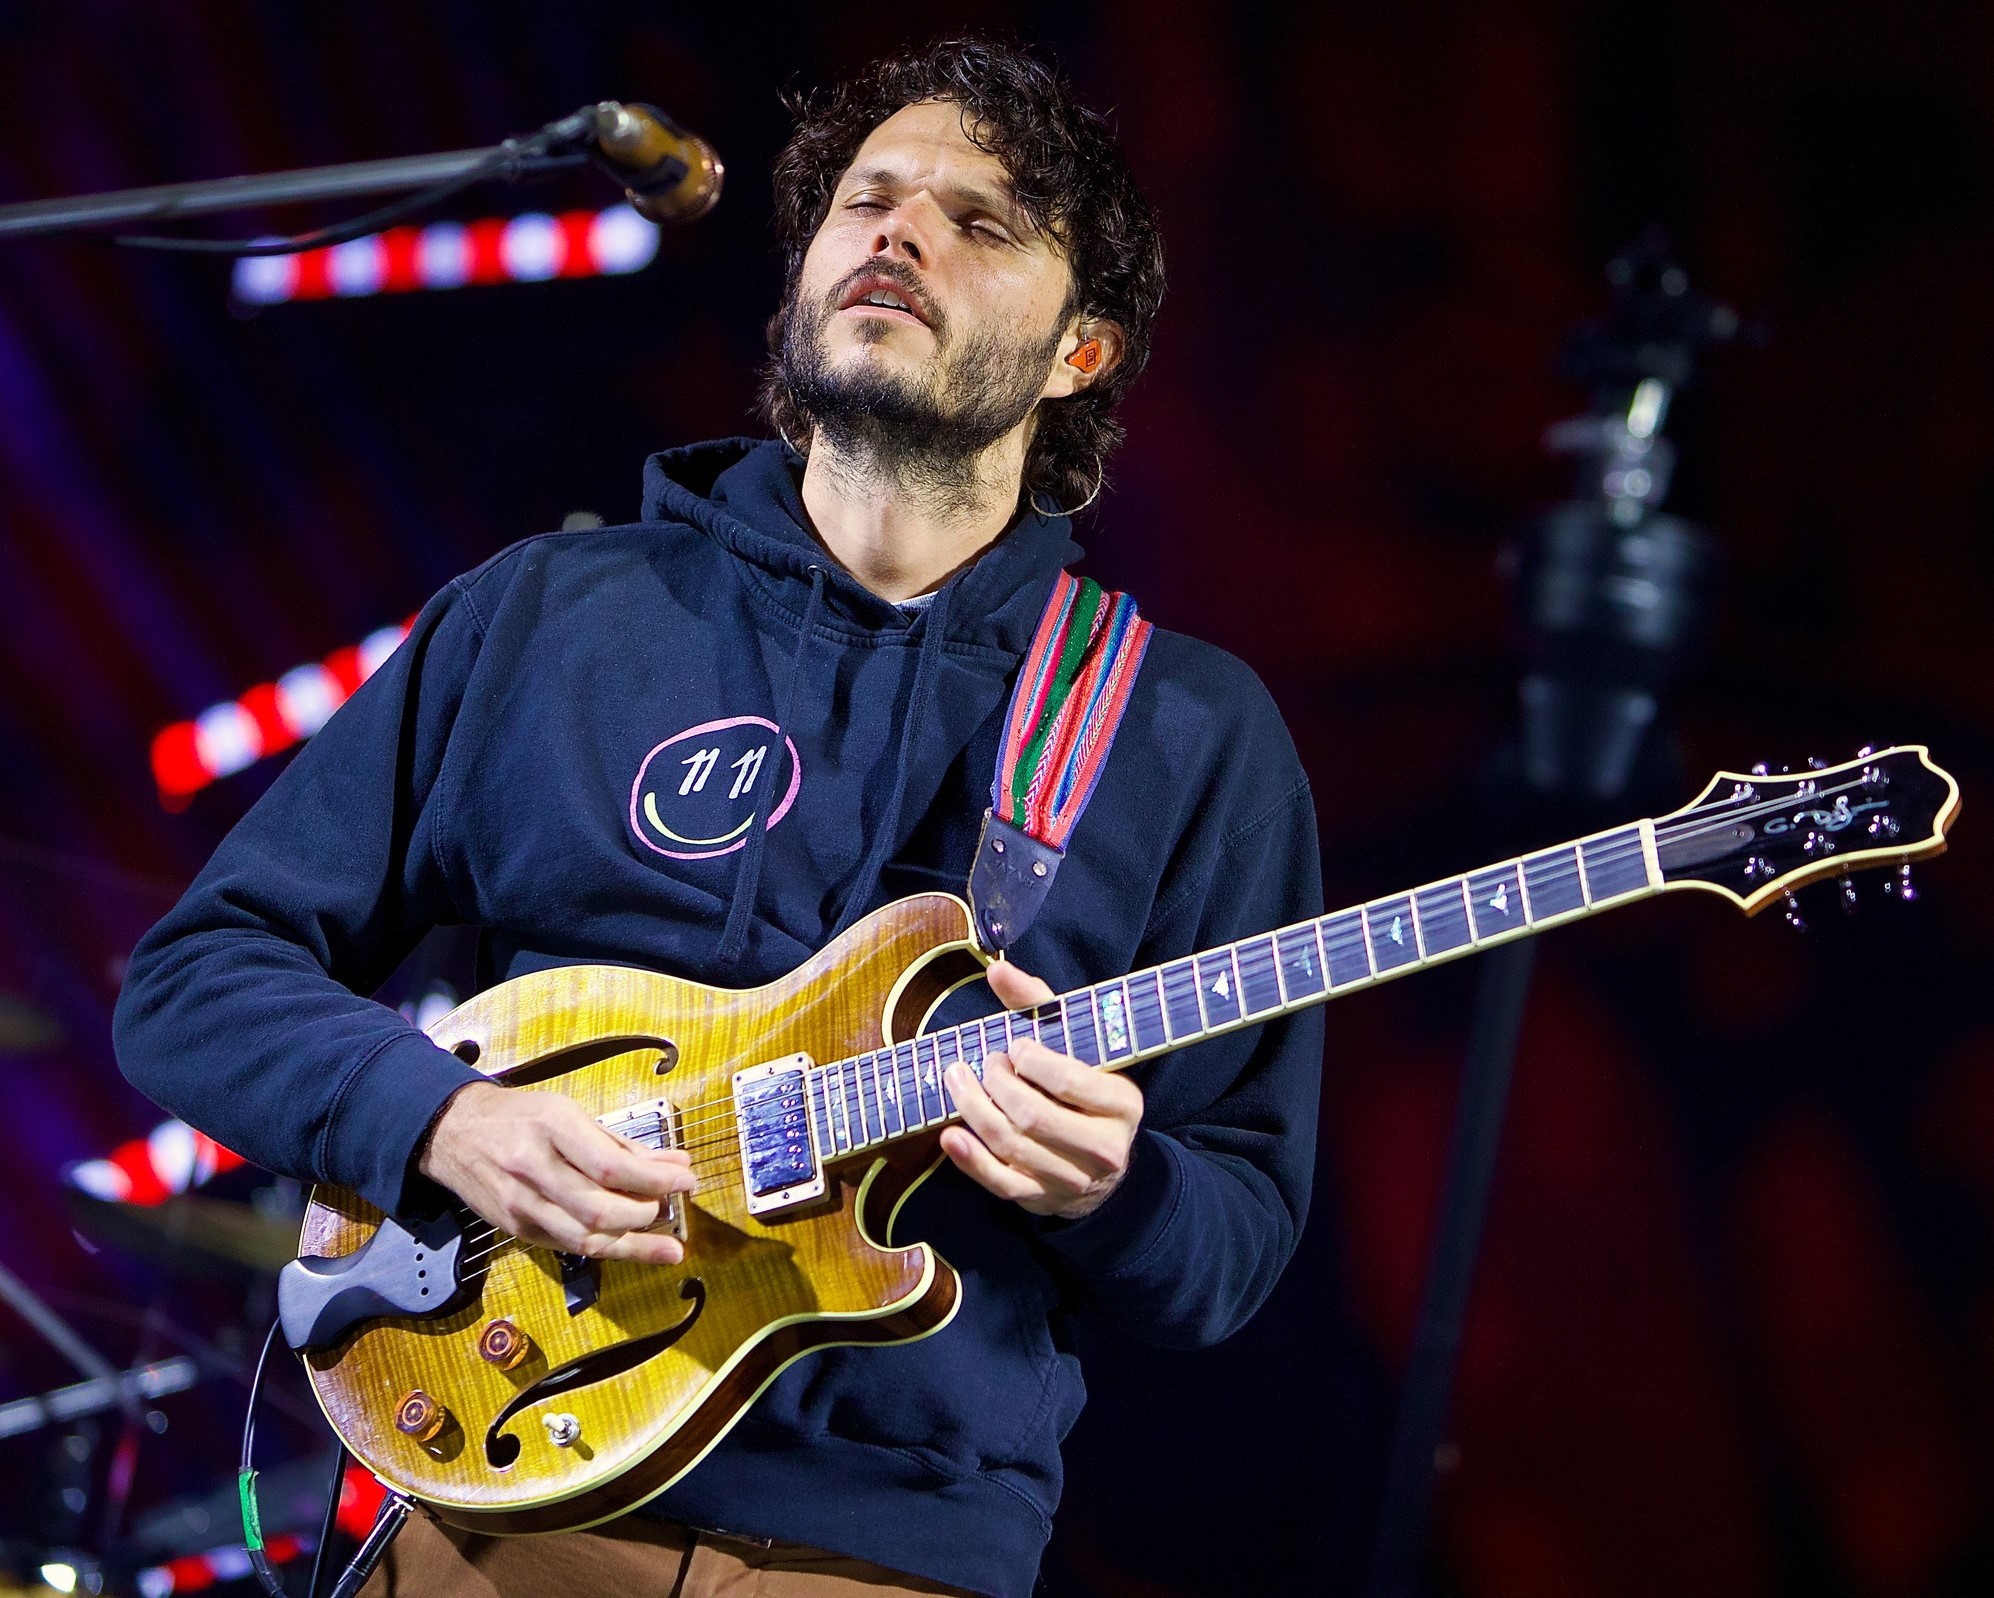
point(745, 494)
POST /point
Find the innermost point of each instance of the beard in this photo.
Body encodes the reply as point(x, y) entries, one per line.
point(921, 430)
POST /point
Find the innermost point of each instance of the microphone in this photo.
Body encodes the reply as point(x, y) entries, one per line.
point(670, 175)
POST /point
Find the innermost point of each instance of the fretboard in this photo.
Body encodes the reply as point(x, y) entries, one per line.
point(873, 1099)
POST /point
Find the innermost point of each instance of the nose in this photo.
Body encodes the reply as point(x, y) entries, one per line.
point(899, 237)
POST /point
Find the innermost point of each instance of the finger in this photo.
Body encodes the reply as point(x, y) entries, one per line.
point(1003, 1137)
point(596, 1208)
point(547, 1225)
point(1083, 1086)
point(982, 1167)
point(1064, 1146)
point(1014, 988)
point(643, 1248)
point(615, 1162)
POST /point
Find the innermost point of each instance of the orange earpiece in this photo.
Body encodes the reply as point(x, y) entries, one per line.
point(1087, 356)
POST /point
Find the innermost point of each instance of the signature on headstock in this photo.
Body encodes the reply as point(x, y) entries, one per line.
point(1762, 834)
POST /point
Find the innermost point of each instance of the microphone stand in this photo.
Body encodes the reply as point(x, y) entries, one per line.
point(1608, 598)
point(509, 162)
point(671, 176)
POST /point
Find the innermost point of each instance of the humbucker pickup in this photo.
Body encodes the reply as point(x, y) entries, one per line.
point(780, 1162)
point(654, 1124)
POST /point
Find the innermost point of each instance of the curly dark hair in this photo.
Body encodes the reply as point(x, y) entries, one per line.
point(1070, 179)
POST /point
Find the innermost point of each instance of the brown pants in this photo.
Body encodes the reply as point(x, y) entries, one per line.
point(628, 1558)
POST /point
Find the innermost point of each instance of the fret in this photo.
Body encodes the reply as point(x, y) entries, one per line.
point(1083, 1044)
point(1497, 895)
point(825, 1146)
point(971, 1049)
point(1146, 1010)
point(1019, 1024)
point(1300, 953)
point(1394, 935)
point(1615, 864)
point(1051, 1018)
point(1344, 954)
point(1552, 881)
point(993, 1042)
point(1259, 978)
point(906, 1092)
point(954, 1056)
point(1111, 1004)
point(1443, 918)
point(928, 1074)
point(869, 1098)
point(1180, 1000)
point(848, 1095)
point(1218, 987)
point(890, 1124)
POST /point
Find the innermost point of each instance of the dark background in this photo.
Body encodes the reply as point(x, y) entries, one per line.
point(1734, 1329)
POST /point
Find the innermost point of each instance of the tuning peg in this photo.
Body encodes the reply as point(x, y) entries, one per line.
point(1816, 763)
point(1865, 751)
point(1794, 918)
point(1761, 769)
point(1850, 903)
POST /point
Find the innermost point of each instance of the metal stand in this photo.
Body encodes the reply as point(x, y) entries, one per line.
point(671, 176)
point(1609, 597)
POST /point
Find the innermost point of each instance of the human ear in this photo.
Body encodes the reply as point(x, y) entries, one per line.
point(1088, 352)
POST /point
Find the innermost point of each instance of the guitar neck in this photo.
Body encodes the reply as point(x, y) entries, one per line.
point(874, 1099)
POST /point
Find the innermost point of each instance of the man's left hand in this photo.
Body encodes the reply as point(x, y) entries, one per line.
point(1041, 1129)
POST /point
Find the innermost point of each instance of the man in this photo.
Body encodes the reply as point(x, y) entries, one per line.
point(825, 639)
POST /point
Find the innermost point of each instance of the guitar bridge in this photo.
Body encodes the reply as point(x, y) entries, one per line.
point(654, 1124)
point(780, 1162)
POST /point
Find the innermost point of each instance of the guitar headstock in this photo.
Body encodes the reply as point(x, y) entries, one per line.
point(1760, 835)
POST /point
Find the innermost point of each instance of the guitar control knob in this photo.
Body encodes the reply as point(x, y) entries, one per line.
point(504, 1345)
point(1794, 918)
point(419, 1416)
point(563, 1430)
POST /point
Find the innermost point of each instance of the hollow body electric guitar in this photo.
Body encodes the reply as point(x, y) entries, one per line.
point(513, 1389)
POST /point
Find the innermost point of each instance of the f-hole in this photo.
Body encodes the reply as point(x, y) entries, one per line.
point(502, 1447)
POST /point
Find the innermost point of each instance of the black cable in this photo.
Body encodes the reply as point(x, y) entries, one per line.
point(329, 1524)
point(252, 1526)
point(318, 238)
point(507, 160)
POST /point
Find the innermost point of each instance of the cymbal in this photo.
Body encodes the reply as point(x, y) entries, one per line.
point(189, 1232)
point(25, 1029)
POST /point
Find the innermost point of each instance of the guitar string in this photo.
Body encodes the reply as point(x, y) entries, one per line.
point(1620, 851)
point(1617, 851)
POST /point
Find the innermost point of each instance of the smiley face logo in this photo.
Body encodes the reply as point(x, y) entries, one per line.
point(694, 797)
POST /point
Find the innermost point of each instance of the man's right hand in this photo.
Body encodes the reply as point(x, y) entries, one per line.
point(539, 1166)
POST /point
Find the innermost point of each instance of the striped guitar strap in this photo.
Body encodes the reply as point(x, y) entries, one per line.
point(1068, 702)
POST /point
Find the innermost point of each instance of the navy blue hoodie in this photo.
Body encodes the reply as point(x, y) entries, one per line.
point(563, 753)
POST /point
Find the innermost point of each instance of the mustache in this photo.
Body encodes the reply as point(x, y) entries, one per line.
point(904, 278)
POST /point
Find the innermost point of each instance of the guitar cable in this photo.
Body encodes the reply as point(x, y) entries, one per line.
point(393, 1512)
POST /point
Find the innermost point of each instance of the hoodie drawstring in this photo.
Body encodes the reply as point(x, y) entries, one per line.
point(748, 880)
point(935, 624)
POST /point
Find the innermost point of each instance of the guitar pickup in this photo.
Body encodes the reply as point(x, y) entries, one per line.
point(654, 1124)
point(780, 1162)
